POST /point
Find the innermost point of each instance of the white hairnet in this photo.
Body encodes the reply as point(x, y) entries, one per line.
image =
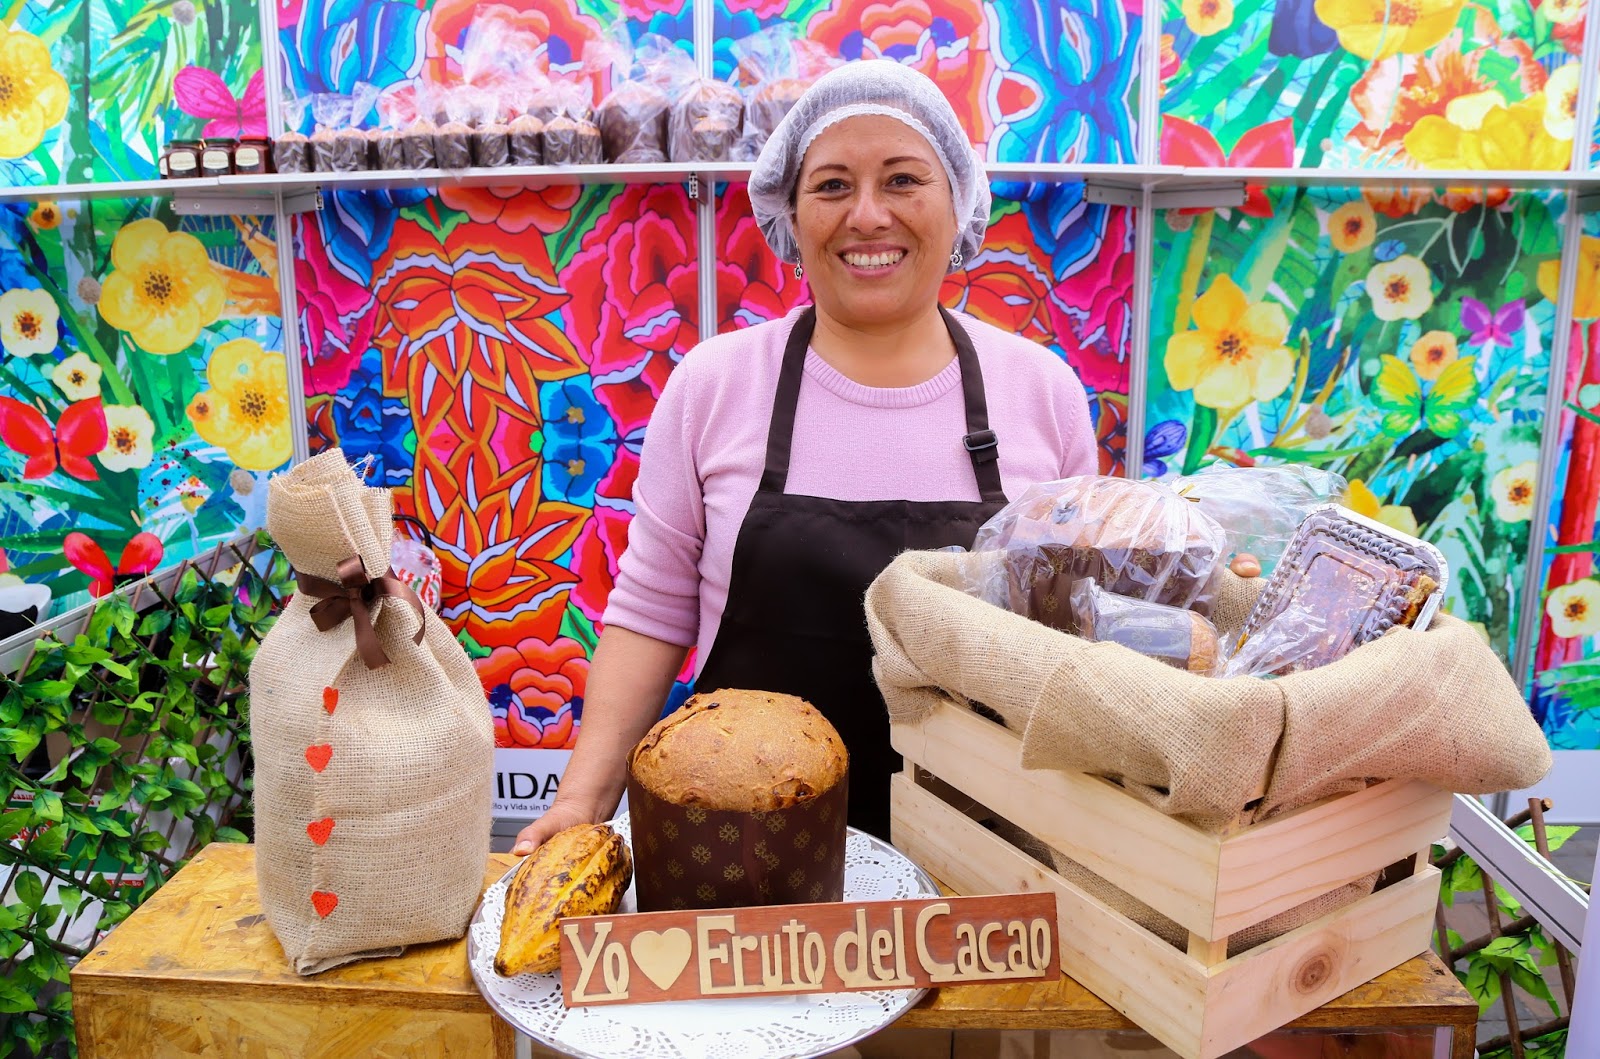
point(871, 86)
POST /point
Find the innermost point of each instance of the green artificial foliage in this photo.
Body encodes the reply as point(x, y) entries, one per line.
point(124, 752)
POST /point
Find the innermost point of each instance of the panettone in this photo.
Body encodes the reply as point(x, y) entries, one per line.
point(746, 751)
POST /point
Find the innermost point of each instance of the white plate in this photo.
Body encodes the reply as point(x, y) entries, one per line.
point(784, 1027)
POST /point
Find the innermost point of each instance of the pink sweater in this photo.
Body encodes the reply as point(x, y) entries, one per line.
point(706, 444)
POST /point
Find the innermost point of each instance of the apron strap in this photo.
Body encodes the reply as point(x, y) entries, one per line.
point(980, 442)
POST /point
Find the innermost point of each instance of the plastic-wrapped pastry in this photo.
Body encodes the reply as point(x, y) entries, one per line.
point(1180, 638)
point(704, 123)
point(452, 146)
point(491, 145)
point(633, 124)
point(418, 145)
point(291, 153)
point(1345, 580)
point(526, 140)
point(1137, 539)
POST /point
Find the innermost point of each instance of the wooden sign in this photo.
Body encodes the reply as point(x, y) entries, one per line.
point(817, 948)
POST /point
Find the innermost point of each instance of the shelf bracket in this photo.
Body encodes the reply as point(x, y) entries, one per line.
point(1100, 193)
point(1214, 196)
point(227, 203)
point(694, 186)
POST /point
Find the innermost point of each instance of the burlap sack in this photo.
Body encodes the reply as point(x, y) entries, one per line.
point(372, 785)
point(1436, 705)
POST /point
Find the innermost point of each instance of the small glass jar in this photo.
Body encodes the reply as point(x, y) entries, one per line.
point(217, 158)
point(251, 155)
point(182, 159)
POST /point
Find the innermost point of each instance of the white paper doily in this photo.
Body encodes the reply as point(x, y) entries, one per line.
point(783, 1027)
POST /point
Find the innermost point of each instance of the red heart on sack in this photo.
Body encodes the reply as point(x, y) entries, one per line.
point(317, 756)
point(330, 698)
point(319, 830)
point(324, 902)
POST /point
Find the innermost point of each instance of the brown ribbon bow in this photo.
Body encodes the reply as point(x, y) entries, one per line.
point(353, 596)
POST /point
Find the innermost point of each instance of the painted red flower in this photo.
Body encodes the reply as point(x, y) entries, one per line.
point(535, 20)
point(1111, 433)
point(535, 690)
point(1269, 146)
point(1397, 202)
point(336, 317)
point(946, 39)
point(140, 555)
point(1003, 284)
point(753, 286)
point(763, 9)
point(594, 558)
point(514, 209)
point(1091, 311)
point(1461, 200)
point(633, 283)
point(479, 303)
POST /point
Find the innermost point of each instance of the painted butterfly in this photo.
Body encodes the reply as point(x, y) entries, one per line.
point(141, 555)
point(80, 433)
point(1445, 409)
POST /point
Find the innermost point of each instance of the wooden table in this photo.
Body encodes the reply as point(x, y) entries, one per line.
point(196, 971)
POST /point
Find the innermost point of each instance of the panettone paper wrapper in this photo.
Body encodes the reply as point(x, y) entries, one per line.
point(689, 857)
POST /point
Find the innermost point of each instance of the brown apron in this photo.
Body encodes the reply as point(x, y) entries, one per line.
point(794, 621)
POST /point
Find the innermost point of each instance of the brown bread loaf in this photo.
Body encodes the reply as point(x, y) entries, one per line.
point(744, 751)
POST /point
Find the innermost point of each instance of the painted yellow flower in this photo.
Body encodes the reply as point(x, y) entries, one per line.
point(1236, 354)
point(28, 320)
point(130, 438)
point(1205, 17)
point(246, 410)
point(33, 97)
point(1352, 227)
point(1401, 289)
point(78, 377)
point(1561, 102)
point(1468, 111)
point(1363, 501)
point(1575, 609)
point(1508, 137)
point(1513, 490)
point(163, 289)
point(1586, 300)
point(1434, 352)
point(1562, 12)
point(1377, 29)
point(46, 216)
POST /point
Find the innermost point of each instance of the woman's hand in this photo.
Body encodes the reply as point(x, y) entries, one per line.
point(559, 817)
point(1245, 565)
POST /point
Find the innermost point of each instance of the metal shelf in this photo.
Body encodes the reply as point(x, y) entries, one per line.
point(1119, 182)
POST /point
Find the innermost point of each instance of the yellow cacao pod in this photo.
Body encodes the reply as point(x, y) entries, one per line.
point(582, 871)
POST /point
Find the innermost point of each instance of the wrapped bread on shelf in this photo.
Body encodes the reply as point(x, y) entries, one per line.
point(704, 123)
point(741, 773)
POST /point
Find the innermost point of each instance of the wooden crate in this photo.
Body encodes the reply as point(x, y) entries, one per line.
point(1200, 1003)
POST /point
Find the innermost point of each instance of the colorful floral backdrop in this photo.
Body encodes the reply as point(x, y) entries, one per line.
point(1400, 338)
point(143, 392)
point(1053, 82)
point(497, 354)
point(1439, 84)
point(1566, 693)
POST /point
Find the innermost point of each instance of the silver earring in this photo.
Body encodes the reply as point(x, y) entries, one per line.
point(955, 260)
point(799, 270)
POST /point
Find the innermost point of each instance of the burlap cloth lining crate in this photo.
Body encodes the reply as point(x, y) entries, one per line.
point(1436, 706)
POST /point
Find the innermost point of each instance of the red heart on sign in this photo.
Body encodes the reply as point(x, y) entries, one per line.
point(324, 902)
point(317, 756)
point(330, 698)
point(319, 830)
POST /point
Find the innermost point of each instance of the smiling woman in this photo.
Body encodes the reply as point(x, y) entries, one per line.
point(787, 463)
